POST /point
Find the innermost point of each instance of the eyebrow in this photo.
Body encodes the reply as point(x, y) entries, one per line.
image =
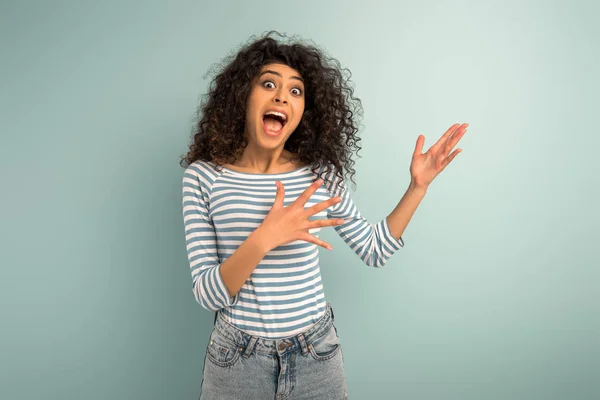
point(278, 74)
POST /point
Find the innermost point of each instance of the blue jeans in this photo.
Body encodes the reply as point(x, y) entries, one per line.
point(308, 365)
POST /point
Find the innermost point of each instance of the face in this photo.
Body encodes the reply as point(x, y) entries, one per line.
point(278, 88)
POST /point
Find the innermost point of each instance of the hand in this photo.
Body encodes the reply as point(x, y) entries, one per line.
point(425, 167)
point(286, 224)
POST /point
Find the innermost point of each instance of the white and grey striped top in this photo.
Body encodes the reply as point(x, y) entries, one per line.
point(284, 294)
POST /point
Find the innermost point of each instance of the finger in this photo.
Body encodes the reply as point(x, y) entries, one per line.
point(449, 159)
point(279, 195)
point(303, 198)
point(453, 140)
point(419, 147)
point(319, 223)
point(445, 136)
point(322, 206)
point(312, 239)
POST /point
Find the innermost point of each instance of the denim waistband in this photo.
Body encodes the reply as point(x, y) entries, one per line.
point(274, 346)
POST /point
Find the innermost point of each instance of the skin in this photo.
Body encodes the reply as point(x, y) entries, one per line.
point(281, 87)
point(424, 168)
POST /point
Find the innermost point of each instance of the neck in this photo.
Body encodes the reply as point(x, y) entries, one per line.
point(263, 160)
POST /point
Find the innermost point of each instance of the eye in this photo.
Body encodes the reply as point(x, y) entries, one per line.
point(298, 91)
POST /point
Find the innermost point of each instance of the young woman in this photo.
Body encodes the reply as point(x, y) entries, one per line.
point(264, 173)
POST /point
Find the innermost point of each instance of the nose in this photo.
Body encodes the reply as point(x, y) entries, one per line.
point(280, 97)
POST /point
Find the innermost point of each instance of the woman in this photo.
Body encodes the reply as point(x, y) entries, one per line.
point(264, 173)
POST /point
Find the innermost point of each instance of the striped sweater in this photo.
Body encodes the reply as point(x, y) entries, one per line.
point(284, 294)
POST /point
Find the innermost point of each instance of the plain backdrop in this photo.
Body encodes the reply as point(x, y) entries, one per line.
point(496, 294)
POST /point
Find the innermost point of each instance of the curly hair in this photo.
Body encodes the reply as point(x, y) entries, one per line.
point(327, 132)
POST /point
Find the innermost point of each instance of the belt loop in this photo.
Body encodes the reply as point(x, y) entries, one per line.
point(302, 341)
point(250, 347)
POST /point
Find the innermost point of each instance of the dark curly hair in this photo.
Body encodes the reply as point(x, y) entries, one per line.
point(327, 132)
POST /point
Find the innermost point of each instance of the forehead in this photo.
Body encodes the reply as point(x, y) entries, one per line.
point(282, 70)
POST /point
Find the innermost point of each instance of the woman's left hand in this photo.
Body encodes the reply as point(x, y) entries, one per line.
point(425, 167)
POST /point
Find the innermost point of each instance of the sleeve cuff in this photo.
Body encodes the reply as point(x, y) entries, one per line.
point(396, 244)
point(231, 301)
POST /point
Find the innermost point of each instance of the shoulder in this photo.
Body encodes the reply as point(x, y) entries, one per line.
point(202, 174)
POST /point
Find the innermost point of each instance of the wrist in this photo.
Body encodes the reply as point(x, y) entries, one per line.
point(260, 240)
point(413, 187)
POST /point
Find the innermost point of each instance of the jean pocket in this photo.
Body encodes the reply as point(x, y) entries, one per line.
point(326, 346)
point(221, 352)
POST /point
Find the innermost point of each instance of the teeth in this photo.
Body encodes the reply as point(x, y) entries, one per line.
point(276, 113)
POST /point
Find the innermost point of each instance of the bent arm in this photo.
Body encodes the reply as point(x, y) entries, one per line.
point(215, 284)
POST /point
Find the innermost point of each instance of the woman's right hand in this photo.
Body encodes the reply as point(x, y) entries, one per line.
point(286, 224)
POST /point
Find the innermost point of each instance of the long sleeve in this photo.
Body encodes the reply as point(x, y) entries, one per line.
point(201, 242)
point(373, 243)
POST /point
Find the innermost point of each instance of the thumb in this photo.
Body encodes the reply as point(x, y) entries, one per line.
point(280, 194)
point(419, 146)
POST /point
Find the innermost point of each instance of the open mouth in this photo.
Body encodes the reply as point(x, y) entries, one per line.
point(273, 122)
